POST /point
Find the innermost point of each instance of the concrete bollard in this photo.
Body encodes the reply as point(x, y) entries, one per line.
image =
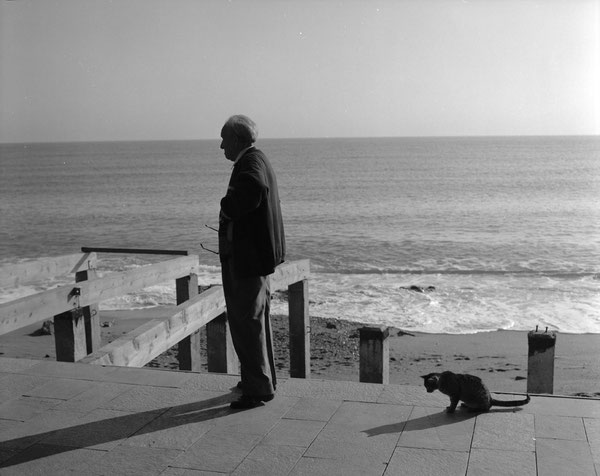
point(540, 365)
point(374, 355)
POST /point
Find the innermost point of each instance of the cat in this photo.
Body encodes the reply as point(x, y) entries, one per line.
point(466, 388)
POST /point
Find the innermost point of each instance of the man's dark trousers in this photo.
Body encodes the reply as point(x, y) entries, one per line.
point(248, 301)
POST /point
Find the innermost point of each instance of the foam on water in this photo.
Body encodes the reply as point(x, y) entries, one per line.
point(461, 302)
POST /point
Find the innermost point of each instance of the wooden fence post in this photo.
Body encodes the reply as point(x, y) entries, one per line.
point(69, 335)
point(374, 355)
point(299, 329)
point(188, 349)
point(220, 352)
point(91, 315)
point(77, 332)
point(540, 365)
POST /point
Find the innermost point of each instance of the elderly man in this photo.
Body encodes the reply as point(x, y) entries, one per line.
point(251, 245)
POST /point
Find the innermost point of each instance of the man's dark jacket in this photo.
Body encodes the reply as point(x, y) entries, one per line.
point(251, 230)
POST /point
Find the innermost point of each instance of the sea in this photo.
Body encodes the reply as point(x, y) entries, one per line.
point(504, 231)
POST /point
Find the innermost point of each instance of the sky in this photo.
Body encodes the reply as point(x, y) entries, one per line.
point(94, 70)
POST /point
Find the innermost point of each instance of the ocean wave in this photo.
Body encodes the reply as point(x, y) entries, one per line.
point(559, 274)
point(460, 301)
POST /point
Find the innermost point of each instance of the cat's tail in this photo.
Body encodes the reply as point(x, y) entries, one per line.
point(510, 403)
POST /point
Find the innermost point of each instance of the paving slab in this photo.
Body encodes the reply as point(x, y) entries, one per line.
point(153, 377)
point(10, 364)
point(26, 408)
point(45, 460)
point(61, 388)
point(100, 429)
point(563, 406)
point(371, 418)
point(171, 471)
point(426, 462)
point(293, 433)
point(560, 427)
point(347, 444)
point(592, 431)
point(15, 385)
point(69, 370)
point(7, 454)
point(177, 428)
point(130, 460)
point(268, 460)
point(505, 431)
point(98, 394)
point(412, 395)
point(258, 421)
point(317, 409)
point(19, 435)
point(483, 462)
point(564, 457)
point(331, 390)
point(156, 398)
point(433, 428)
point(307, 466)
point(219, 451)
point(211, 382)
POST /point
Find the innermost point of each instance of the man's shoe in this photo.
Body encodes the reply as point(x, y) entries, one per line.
point(245, 402)
point(240, 386)
point(266, 398)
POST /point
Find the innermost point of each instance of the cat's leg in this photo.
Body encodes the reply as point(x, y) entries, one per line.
point(452, 407)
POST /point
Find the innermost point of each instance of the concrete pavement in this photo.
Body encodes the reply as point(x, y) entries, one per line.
point(60, 418)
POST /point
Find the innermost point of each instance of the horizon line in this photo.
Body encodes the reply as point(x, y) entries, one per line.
point(216, 139)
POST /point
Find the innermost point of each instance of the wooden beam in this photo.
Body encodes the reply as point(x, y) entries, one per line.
point(287, 274)
point(118, 284)
point(136, 251)
point(14, 275)
point(31, 309)
point(145, 343)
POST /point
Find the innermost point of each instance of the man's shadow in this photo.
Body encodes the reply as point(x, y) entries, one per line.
point(432, 420)
point(117, 428)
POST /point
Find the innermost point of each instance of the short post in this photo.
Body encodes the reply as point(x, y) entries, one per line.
point(77, 332)
point(299, 329)
point(221, 356)
point(374, 355)
point(91, 315)
point(188, 349)
point(69, 335)
point(540, 365)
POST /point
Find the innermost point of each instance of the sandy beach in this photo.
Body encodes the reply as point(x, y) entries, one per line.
point(499, 358)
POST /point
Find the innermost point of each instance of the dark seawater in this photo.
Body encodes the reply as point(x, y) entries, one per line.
point(507, 229)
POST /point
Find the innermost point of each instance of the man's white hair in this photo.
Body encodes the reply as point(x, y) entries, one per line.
point(243, 127)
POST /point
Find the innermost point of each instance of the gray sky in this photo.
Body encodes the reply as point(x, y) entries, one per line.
point(150, 69)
